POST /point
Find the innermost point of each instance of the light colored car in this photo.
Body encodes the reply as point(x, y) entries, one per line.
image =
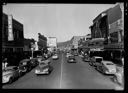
point(68, 54)
point(43, 69)
point(10, 74)
point(55, 56)
point(71, 59)
point(107, 67)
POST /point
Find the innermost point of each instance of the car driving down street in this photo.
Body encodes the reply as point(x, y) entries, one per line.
point(71, 59)
point(55, 56)
point(43, 68)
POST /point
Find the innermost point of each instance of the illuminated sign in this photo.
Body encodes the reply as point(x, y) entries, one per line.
point(10, 30)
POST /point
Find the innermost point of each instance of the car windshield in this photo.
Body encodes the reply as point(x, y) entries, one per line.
point(71, 57)
point(42, 63)
point(98, 59)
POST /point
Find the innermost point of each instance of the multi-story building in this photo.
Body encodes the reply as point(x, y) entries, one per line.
point(12, 34)
point(52, 43)
point(108, 33)
point(27, 44)
point(42, 42)
point(74, 41)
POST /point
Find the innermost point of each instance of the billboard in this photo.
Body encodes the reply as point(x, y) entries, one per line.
point(10, 28)
point(52, 42)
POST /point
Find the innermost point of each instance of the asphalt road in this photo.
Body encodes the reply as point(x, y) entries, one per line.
point(65, 75)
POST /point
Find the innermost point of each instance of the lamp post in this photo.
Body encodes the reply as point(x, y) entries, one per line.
point(32, 48)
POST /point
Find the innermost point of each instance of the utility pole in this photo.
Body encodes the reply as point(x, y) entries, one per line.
point(32, 48)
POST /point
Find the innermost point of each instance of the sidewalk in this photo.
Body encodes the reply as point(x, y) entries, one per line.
point(121, 78)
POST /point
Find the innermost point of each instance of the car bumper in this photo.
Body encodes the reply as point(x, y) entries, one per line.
point(43, 72)
point(54, 58)
point(5, 80)
point(110, 72)
point(72, 61)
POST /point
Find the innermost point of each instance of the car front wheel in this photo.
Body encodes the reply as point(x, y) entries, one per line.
point(10, 80)
point(20, 73)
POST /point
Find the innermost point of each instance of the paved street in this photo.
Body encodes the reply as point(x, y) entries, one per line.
point(65, 75)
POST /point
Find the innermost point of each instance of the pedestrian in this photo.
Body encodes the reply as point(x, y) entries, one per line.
point(5, 63)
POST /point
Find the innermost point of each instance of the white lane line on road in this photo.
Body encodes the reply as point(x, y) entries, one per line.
point(61, 70)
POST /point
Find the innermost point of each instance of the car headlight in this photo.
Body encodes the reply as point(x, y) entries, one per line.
point(6, 77)
point(46, 69)
point(37, 71)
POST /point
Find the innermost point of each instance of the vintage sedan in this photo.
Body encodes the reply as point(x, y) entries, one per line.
point(95, 60)
point(34, 62)
point(55, 56)
point(43, 69)
point(68, 54)
point(25, 65)
point(86, 58)
point(10, 74)
point(71, 59)
point(107, 67)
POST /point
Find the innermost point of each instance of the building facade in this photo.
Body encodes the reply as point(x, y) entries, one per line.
point(52, 43)
point(27, 44)
point(74, 41)
point(12, 34)
point(42, 42)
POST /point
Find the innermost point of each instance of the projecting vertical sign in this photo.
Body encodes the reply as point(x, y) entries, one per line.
point(10, 30)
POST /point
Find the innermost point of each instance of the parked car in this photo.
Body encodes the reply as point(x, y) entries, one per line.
point(34, 62)
point(106, 67)
point(86, 58)
point(10, 74)
point(68, 54)
point(40, 58)
point(25, 65)
point(95, 60)
point(71, 59)
point(55, 56)
point(43, 69)
point(46, 61)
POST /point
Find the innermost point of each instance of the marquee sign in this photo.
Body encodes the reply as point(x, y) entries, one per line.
point(10, 28)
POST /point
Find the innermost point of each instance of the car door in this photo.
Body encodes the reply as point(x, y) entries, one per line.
point(99, 65)
point(93, 61)
point(16, 71)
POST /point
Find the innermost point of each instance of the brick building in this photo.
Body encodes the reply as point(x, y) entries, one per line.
point(12, 34)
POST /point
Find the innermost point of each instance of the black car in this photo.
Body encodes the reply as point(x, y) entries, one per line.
point(25, 65)
point(86, 58)
point(34, 62)
point(95, 60)
point(71, 59)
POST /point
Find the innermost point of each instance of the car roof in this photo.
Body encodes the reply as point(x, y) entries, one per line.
point(97, 57)
point(25, 60)
point(10, 67)
point(105, 62)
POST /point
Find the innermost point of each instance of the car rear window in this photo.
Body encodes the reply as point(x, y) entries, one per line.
point(98, 59)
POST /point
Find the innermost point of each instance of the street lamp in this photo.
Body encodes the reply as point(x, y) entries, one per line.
point(32, 48)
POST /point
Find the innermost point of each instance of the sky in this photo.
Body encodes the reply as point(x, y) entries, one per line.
point(55, 20)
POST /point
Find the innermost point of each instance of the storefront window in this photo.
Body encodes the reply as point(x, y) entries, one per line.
point(114, 37)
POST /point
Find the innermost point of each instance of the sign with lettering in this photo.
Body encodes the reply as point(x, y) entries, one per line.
point(10, 30)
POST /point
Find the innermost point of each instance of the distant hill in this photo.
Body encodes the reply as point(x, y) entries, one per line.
point(64, 44)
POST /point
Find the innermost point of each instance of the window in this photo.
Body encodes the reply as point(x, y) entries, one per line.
point(8, 49)
point(114, 37)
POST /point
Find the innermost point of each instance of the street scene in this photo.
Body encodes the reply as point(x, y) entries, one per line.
point(63, 46)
